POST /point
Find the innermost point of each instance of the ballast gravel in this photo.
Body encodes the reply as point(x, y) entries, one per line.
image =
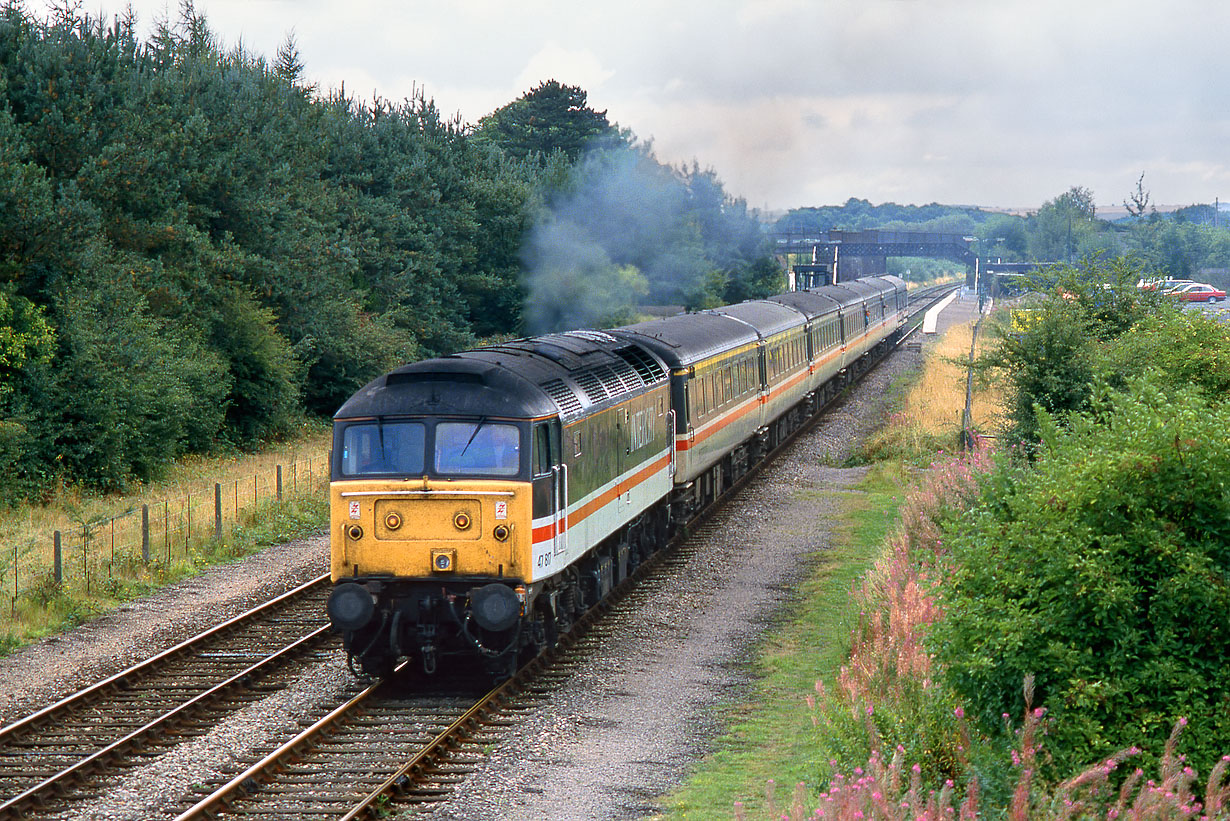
point(620, 733)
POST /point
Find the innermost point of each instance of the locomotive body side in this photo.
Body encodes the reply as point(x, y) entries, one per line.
point(616, 464)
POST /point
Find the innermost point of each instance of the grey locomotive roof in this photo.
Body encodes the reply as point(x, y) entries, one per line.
point(450, 385)
point(767, 317)
point(526, 378)
point(688, 338)
point(811, 303)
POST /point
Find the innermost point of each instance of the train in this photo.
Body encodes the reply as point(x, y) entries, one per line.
point(482, 502)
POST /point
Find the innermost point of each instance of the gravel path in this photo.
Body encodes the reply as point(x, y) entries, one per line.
point(624, 730)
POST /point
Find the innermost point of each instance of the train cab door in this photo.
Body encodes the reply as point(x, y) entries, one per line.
point(551, 483)
point(623, 451)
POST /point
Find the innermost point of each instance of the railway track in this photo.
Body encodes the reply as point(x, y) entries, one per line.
point(379, 746)
point(48, 758)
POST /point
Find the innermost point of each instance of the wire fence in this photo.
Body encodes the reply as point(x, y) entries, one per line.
point(90, 554)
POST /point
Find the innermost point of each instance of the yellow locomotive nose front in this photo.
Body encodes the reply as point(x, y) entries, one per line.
point(477, 528)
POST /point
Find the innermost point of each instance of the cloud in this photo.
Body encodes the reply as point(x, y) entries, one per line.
point(1002, 103)
point(574, 67)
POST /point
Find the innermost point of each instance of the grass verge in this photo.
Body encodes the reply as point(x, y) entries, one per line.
point(95, 583)
point(772, 736)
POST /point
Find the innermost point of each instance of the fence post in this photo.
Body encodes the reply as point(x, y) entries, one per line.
point(218, 509)
point(145, 533)
point(279, 483)
point(59, 557)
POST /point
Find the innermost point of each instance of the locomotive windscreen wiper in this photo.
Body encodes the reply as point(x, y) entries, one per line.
point(482, 420)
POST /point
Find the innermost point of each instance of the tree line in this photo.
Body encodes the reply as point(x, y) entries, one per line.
point(198, 249)
point(1065, 229)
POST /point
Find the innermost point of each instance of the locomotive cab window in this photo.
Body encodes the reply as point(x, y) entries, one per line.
point(478, 448)
point(383, 447)
point(544, 458)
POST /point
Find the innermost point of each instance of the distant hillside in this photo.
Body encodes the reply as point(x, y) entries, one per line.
point(858, 214)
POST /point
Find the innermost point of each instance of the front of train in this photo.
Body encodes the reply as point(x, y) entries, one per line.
point(431, 516)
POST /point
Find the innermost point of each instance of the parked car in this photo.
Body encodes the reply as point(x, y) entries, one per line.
point(1198, 292)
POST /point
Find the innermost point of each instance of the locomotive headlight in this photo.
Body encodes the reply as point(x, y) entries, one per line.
point(462, 520)
point(501, 533)
point(354, 532)
point(392, 521)
point(443, 561)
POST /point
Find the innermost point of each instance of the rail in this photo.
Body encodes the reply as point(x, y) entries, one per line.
point(73, 755)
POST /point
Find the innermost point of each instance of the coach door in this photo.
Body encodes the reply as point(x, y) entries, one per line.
point(551, 484)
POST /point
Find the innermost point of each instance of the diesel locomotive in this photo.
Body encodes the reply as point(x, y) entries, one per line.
point(482, 501)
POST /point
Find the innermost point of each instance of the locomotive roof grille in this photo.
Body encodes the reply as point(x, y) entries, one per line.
point(563, 396)
point(623, 375)
point(594, 389)
point(646, 367)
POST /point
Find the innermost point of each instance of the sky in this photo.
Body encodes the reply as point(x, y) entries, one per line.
point(997, 103)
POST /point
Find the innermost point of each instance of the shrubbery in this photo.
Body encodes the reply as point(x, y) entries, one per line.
point(1102, 570)
point(1071, 599)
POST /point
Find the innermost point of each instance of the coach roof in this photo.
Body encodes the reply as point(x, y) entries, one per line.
point(686, 339)
point(766, 316)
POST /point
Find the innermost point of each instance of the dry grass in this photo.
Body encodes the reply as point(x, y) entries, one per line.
point(110, 548)
point(194, 475)
point(939, 397)
point(928, 418)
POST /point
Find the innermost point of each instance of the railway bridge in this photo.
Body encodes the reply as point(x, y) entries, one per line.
point(841, 255)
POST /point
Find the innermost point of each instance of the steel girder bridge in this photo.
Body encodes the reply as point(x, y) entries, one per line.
point(839, 255)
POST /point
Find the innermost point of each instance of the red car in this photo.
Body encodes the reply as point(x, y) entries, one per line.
point(1198, 292)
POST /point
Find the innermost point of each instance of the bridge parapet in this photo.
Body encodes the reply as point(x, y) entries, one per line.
point(827, 245)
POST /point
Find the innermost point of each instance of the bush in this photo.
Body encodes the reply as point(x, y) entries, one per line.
point(1104, 572)
point(1053, 364)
